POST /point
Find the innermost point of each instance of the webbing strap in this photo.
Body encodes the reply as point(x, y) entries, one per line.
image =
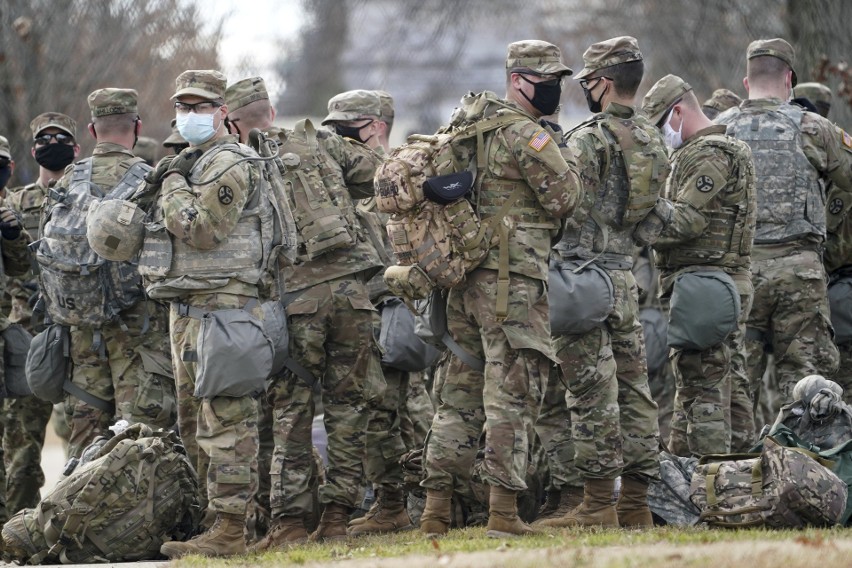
point(129, 182)
point(710, 483)
point(757, 479)
point(87, 397)
point(474, 363)
point(503, 275)
point(300, 371)
point(601, 223)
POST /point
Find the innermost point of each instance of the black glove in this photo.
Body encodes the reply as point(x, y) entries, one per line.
point(10, 224)
point(183, 162)
point(155, 176)
point(555, 130)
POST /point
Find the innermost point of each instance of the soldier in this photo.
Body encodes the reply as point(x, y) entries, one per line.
point(110, 362)
point(331, 321)
point(510, 334)
point(817, 93)
point(175, 142)
point(26, 418)
point(795, 153)
point(146, 148)
point(712, 187)
point(722, 100)
point(209, 256)
point(385, 443)
point(613, 417)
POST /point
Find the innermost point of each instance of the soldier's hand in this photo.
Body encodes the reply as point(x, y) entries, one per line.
point(183, 162)
point(555, 131)
point(10, 224)
point(155, 176)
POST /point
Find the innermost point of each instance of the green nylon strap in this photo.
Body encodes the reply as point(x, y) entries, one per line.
point(710, 483)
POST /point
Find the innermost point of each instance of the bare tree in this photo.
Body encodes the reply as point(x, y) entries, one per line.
point(53, 53)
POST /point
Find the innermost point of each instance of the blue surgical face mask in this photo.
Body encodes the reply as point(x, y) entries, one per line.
point(195, 128)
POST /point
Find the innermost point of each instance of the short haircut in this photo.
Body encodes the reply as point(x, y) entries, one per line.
point(626, 77)
point(115, 123)
point(765, 69)
point(254, 114)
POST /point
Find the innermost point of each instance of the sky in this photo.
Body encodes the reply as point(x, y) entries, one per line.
point(252, 31)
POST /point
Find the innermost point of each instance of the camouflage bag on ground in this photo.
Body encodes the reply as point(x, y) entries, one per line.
point(779, 488)
point(139, 492)
point(668, 497)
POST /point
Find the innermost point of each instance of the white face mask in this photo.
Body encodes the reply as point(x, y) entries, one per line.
point(195, 128)
point(673, 139)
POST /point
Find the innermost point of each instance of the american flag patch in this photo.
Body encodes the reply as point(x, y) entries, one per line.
point(847, 140)
point(539, 141)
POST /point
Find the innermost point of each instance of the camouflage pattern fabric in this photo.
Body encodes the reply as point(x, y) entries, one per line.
point(844, 371)
point(131, 371)
point(613, 417)
point(554, 430)
point(224, 429)
point(817, 415)
point(504, 400)
point(668, 498)
point(416, 412)
point(385, 445)
point(791, 309)
point(333, 326)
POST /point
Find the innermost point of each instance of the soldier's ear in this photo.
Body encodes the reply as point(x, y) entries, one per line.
point(745, 83)
point(91, 127)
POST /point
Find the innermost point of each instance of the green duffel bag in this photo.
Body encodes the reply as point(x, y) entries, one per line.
point(704, 309)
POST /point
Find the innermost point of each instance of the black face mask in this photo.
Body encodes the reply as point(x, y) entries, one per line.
point(353, 132)
point(545, 97)
point(594, 105)
point(5, 174)
point(54, 157)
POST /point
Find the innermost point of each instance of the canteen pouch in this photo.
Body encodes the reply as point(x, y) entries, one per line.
point(580, 298)
point(408, 282)
point(704, 309)
point(235, 356)
point(47, 363)
point(401, 347)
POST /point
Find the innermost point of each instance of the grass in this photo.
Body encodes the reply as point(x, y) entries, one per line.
point(660, 547)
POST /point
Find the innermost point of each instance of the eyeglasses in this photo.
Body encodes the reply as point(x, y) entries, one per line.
point(548, 82)
point(204, 107)
point(60, 137)
point(584, 83)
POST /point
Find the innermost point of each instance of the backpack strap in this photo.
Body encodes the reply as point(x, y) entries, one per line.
point(87, 397)
point(130, 181)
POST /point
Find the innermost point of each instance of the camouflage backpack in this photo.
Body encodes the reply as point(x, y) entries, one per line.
point(427, 186)
point(782, 487)
point(81, 288)
point(138, 492)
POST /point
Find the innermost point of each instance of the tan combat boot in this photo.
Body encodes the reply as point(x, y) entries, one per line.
point(283, 532)
point(225, 538)
point(633, 510)
point(435, 520)
point(388, 514)
point(595, 510)
point(563, 502)
point(332, 525)
point(503, 519)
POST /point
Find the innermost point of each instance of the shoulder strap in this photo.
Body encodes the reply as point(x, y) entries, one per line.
point(132, 178)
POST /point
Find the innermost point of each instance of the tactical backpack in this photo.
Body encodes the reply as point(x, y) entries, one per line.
point(428, 186)
point(138, 492)
point(81, 288)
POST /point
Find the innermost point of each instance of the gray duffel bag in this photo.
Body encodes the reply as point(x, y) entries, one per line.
point(16, 347)
point(580, 298)
point(704, 309)
point(401, 348)
point(47, 363)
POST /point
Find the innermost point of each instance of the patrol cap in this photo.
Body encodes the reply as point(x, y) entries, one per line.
point(607, 53)
point(722, 100)
point(536, 56)
point(205, 83)
point(353, 105)
point(146, 148)
point(55, 119)
point(5, 149)
point(814, 92)
point(386, 105)
point(776, 47)
point(665, 93)
point(244, 92)
point(174, 139)
point(104, 102)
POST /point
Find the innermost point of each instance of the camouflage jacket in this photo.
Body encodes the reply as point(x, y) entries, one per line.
point(26, 200)
point(524, 155)
point(712, 187)
point(351, 166)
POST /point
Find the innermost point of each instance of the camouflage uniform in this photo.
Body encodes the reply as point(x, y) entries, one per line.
point(720, 101)
point(120, 362)
point(712, 187)
point(505, 398)
point(25, 418)
point(333, 326)
point(207, 252)
point(794, 153)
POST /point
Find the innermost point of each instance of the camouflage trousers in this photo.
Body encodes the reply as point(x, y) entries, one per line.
point(416, 412)
point(220, 434)
point(712, 406)
point(662, 385)
point(333, 326)
point(789, 318)
point(385, 445)
point(554, 430)
point(24, 425)
point(127, 368)
point(259, 508)
point(505, 398)
point(613, 417)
